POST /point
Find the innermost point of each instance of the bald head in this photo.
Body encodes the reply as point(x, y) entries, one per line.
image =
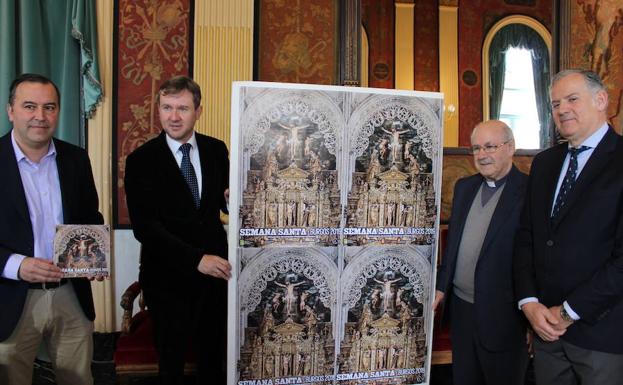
point(495, 125)
point(493, 147)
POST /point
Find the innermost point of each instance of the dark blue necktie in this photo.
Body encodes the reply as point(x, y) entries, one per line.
point(569, 181)
point(188, 171)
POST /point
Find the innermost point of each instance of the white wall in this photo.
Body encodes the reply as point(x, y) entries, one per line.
point(125, 268)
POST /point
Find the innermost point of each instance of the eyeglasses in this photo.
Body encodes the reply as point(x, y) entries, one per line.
point(488, 148)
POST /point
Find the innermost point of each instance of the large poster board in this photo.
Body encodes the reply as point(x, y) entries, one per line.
point(334, 215)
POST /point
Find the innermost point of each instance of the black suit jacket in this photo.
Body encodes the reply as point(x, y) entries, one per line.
point(500, 323)
point(80, 206)
point(173, 233)
point(578, 257)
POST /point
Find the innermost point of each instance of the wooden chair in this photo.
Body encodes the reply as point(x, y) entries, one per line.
point(135, 354)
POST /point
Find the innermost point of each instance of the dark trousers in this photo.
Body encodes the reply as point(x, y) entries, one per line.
point(472, 363)
point(189, 320)
point(562, 363)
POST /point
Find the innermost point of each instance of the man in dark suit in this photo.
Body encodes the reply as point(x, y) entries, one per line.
point(176, 185)
point(569, 249)
point(487, 330)
point(45, 182)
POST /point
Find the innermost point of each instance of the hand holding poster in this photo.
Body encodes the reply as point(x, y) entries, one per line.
point(334, 240)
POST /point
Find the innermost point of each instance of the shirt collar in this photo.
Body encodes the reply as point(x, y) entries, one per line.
point(496, 183)
point(593, 140)
point(174, 145)
point(19, 154)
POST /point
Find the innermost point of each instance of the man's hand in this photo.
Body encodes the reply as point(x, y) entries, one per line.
point(542, 321)
point(438, 298)
point(39, 270)
point(560, 324)
point(215, 266)
point(226, 196)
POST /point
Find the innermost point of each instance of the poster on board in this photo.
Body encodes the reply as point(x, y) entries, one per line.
point(333, 231)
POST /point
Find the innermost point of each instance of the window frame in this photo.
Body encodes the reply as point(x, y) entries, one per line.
point(512, 19)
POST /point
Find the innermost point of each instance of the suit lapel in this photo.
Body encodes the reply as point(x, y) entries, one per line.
point(9, 172)
point(505, 206)
point(596, 163)
point(66, 174)
point(463, 209)
point(206, 168)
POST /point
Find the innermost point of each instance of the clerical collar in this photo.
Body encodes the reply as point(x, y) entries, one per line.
point(495, 184)
point(490, 187)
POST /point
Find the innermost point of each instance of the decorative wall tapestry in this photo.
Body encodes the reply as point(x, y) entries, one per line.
point(333, 234)
point(596, 43)
point(152, 45)
point(297, 41)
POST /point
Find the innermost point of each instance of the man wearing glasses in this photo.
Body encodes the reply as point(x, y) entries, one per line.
point(487, 329)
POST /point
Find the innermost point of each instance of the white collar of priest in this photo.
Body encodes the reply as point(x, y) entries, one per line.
point(495, 184)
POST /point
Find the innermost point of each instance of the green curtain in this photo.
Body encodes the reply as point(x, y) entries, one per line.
point(58, 39)
point(497, 75)
point(521, 36)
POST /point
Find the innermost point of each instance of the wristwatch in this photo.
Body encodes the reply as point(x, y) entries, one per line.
point(565, 316)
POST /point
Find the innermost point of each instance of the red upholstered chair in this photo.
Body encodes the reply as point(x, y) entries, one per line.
point(442, 349)
point(135, 354)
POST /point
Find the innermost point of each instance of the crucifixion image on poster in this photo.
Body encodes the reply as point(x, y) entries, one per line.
point(291, 193)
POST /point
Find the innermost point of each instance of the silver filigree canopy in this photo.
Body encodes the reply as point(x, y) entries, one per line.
point(309, 263)
point(409, 262)
point(421, 116)
point(321, 110)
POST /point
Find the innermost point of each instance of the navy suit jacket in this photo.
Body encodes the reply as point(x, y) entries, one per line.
point(500, 323)
point(173, 233)
point(578, 256)
point(80, 206)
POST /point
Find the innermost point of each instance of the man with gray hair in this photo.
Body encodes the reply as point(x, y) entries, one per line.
point(568, 262)
point(475, 279)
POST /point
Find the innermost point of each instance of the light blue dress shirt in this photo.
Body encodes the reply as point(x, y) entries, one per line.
point(43, 196)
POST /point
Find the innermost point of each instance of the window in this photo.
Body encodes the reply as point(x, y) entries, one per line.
point(516, 73)
point(518, 107)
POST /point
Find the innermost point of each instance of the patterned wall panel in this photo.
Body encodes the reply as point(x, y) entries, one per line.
point(426, 46)
point(152, 44)
point(298, 41)
point(596, 43)
point(378, 16)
